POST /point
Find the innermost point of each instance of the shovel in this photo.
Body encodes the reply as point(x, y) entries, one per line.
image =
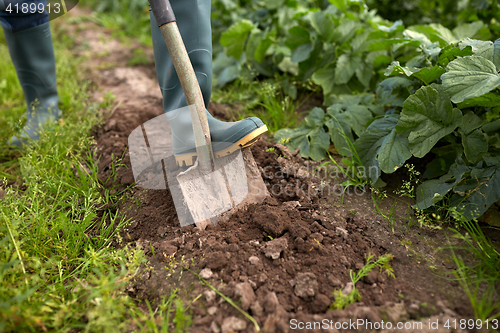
point(211, 189)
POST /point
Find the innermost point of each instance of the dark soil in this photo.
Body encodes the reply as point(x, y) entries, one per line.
point(279, 261)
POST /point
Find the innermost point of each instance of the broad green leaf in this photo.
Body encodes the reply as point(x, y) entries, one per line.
point(492, 127)
point(274, 4)
point(339, 127)
point(432, 191)
point(469, 77)
point(340, 4)
point(319, 141)
point(315, 118)
point(428, 116)
point(496, 54)
point(382, 148)
point(288, 66)
point(475, 145)
point(470, 122)
point(226, 69)
point(297, 36)
point(488, 100)
point(365, 73)
point(346, 67)
point(302, 52)
point(234, 38)
point(323, 24)
point(360, 115)
point(428, 75)
point(311, 138)
point(418, 36)
point(396, 69)
point(358, 43)
point(479, 192)
point(345, 30)
point(477, 30)
point(325, 78)
point(451, 52)
point(255, 38)
point(393, 90)
point(479, 47)
point(264, 44)
point(312, 142)
point(440, 165)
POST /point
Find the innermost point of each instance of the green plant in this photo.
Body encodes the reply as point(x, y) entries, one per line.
point(275, 109)
point(343, 300)
point(428, 105)
point(58, 271)
point(480, 282)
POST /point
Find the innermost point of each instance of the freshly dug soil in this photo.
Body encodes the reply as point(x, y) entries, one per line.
point(280, 261)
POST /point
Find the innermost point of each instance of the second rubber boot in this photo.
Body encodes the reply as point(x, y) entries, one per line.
point(32, 53)
point(193, 20)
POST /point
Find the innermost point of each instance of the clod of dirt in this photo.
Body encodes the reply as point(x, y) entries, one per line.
point(216, 260)
point(206, 273)
point(245, 292)
point(209, 295)
point(167, 248)
point(348, 288)
point(273, 248)
point(254, 260)
point(339, 231)
point(272, 221)
point(320, 303)
point(212, 310)
point(291, 204)
point(257, 309)
point(397, 312)
point(306, 285)
point(272, 304)
point(233, 324)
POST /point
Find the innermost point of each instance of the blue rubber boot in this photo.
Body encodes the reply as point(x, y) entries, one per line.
point(32, 53)
point(193, 20)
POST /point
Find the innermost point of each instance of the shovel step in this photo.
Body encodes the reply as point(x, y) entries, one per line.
point(187, 160)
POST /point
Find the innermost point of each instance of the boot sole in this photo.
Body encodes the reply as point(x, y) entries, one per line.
point(187, 160)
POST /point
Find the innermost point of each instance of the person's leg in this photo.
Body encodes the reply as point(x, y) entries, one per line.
point(193, 20)
point(29, 40)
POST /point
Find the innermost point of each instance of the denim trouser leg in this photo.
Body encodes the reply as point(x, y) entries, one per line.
point(20, 21)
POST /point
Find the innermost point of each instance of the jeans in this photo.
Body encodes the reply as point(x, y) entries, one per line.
point(20, 21)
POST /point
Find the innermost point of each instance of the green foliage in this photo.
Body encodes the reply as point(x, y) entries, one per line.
point(394, 93)
point(450, 13)
point(58, 271)
point(342, 300)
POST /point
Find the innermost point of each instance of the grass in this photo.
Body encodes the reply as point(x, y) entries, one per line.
point(58, 270)
point(126, 19)
point(481, 282)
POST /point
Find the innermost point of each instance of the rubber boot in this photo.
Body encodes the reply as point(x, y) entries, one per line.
point(193, 20)
point(32, 53)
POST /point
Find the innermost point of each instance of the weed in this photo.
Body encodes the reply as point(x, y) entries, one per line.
point(343, 300)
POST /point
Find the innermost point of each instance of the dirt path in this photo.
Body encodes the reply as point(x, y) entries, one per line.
point(279, 261)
